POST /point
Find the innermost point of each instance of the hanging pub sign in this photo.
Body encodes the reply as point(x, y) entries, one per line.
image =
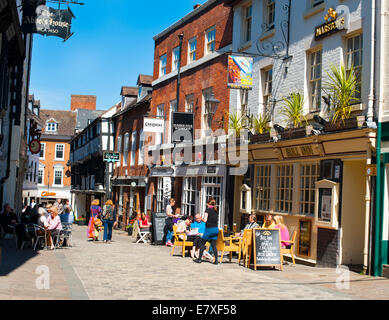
point(182, 127)
point(334, 22)
point(240, 72)
point(46, 21)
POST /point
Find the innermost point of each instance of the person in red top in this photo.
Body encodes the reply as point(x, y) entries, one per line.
point(144, 223)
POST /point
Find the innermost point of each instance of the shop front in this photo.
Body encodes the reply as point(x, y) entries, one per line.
point(320, 185)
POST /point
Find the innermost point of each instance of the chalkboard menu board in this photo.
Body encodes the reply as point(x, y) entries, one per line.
point(267, 248)
point(158, 225)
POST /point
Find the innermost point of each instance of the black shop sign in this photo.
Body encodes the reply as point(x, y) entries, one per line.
point(182, 121)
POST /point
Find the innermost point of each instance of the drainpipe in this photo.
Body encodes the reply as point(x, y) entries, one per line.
point(367, 214)
point(370, 104)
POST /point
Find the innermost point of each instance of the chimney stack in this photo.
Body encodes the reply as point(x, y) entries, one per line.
point(79, 101)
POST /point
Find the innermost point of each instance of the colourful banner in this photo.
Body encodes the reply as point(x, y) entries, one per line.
point(240, 72)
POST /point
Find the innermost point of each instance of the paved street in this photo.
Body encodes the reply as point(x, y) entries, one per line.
point(125, 270)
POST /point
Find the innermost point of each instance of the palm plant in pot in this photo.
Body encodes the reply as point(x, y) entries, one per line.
point(236, 123)
point(261, 128)
point(342, 89)
point(293, 110)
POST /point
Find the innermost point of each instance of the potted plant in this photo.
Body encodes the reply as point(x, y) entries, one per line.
point(342, 89)
point(261, 128)
point(81, 221)
point(293, 110)
point(130, 227)
point(237, 123)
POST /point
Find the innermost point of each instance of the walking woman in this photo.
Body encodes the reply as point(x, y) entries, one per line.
point(95, 211)
point(211, 218)
point(109, 217)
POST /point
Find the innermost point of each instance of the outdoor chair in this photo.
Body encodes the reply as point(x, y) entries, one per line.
point(66, 233)
point(180, 241)
point(13, 234)
point(246, 246)
point(31, 235)
point(2, 233)
point(144, 236)
point(229, 244)
point(38, 238)
point(290, 250)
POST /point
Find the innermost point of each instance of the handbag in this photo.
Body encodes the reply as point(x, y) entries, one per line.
point(98, 223)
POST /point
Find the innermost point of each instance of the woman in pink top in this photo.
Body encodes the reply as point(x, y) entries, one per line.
point(284, 231)
point(55, 225)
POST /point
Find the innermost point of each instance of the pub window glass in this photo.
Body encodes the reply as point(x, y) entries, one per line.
point(309, 174)
point(315, 59)
point(354, 60)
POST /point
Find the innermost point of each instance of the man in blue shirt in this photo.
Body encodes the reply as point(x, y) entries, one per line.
point(198, 224)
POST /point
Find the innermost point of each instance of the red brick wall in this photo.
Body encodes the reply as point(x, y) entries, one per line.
point(82, 102)
point(212, 74)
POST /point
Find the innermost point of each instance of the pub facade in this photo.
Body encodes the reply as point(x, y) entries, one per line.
point(314, 176)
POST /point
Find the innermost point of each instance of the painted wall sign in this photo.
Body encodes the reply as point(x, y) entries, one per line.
point(240, 72)
point(334, 23)
point(47, 21)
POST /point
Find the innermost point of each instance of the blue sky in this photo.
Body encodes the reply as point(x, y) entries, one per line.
point(112, 44)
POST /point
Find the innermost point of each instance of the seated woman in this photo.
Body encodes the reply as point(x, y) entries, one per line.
point(144, 223)
point(55, 225)
point(279, 220)
point(43, 223)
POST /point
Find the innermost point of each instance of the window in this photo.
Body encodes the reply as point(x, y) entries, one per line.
point(267, 91)
point(125, 148)
point(210, 40)
point(133, 148)
point(248, 13)
point(315, 81)
point(173, 106)
point(141, 147)
point(189, 103)
point(120, 143)
point(162, 65)
point(309, 174)
point(160, 114)
point(212, 189)
point(208, 114)
point(59, 151)
point(160, 198)
point(270, 13)
point(189, 196)
point(192, 49)
point(40, 176)
point(58, 173)
point(262, 188)
point(176, 58)
point(244, 98)
point(354, 59)
point(42, 152)
point(51, 126)
point(284, 193)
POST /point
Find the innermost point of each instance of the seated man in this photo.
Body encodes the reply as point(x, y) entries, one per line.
point(198, 224)
point(8, 217)
point(252, 223)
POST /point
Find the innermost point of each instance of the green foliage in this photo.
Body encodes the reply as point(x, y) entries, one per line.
point(260, 124)
point(342, 88)
point(236, 122)
point(293, 109)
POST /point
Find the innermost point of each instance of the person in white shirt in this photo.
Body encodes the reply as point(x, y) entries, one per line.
point(43, 223)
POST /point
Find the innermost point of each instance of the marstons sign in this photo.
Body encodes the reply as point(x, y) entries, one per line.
point(333, 24)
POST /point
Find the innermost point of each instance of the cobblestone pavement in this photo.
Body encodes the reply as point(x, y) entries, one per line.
point(125, 270)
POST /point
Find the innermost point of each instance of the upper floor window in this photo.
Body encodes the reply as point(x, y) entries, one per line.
point(354, 59)
point(141, 147)
point(192, 49)
point(51, 126)
point(210, 40)
point(315, 61)
point(58, 176)
point(189, 103)
point(208, 113)
point(59, 151)
point(125, 148)
point(248, 13)
point(42, 152)
point(267, 90)
point(133, 148)
point(270, 13)
point(162, 65)
point(176, 58)
point(40, 176)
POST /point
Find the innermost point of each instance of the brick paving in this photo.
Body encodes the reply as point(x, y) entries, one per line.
point(124, 270)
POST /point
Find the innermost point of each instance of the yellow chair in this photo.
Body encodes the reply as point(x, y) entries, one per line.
point(246, 246)
point(180, 241)
point(224, 244)
point(291, 249)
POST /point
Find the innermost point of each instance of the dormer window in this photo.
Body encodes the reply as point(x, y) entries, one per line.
point(51, 126)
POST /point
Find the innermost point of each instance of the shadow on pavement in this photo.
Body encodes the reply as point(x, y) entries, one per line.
point(12, 258)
